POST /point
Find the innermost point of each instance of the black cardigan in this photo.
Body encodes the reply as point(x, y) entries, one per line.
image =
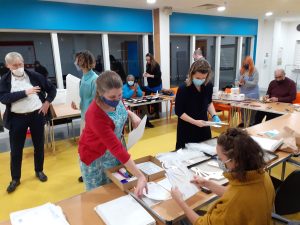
point(156, 81)
point(36, 79)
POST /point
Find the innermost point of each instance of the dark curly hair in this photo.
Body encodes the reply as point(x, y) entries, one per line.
point(85, 59)
point(243, 150)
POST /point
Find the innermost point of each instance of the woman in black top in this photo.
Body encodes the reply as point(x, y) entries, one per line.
point(193, 101)
point(153, 75)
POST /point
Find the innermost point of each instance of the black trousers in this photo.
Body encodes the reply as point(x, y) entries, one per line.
point(17, 136)
point(259, 116)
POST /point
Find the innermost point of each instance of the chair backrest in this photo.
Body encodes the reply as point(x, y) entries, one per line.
point(174, 89)
point(287, 200)
point(297, 100)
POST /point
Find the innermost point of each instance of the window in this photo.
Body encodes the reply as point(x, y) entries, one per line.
point(33, 47)
point(150, 44)
point(228, 61)
point(70, 44)
point(126, 55)
point(208, 47)
point(180, 59)
point(246, 47)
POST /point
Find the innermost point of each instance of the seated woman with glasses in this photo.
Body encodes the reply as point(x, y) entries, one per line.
point(248, 199)
point(193, 101)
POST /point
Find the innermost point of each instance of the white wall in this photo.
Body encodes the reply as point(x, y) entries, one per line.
point(276, 38)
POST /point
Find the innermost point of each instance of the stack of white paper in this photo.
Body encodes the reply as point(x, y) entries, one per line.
point(47, 214)
point(203, 147)
point(149, 168)
point(124, 210)
point(73, 84)
point(267, 143)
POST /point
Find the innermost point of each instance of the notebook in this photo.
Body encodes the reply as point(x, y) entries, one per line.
point(268, 144)
point(124, 210)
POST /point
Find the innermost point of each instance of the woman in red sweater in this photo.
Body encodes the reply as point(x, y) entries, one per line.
point(100, 145)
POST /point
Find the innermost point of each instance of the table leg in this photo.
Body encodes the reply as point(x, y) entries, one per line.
point(52, 134)
point(167, 110)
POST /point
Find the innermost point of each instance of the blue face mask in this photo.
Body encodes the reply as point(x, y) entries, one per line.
point(222, 165)
point(112, 103)
point(130, 82)
point(198, 82)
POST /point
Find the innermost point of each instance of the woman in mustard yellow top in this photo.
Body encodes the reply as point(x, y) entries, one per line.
point(249, 197)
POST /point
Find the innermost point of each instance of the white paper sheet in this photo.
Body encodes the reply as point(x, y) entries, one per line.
point(135, 135)
point(149, 168)
point(73, 84)
point(124, 210)
point(47, 214)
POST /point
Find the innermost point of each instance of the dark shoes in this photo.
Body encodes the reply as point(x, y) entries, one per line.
point(41, 176)
point(12, 186)
point(150, 125)
point(15, 183)
point(80, 180)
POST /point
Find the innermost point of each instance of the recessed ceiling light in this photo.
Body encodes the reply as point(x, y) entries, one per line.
point(151, 1)
point(221, 8)
point(269, 14)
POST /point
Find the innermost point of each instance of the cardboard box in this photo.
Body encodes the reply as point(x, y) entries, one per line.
point(124, 187)
point(127, 186)
point(150, 158)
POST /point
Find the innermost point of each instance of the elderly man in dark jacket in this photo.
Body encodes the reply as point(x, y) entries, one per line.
point(27, 96)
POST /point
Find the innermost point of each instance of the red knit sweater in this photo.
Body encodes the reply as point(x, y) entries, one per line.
point(98, 136)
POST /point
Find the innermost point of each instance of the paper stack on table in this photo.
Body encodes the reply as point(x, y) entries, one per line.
point(267, 143)
point(124, 210)
point(47, 214)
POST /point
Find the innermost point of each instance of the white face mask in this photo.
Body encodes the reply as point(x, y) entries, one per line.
point(18, 72)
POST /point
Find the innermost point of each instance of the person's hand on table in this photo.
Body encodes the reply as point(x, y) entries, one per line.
point(73, 105)
point(273, 99)
point(141, 185)
point(216, 119)
point(177, 195)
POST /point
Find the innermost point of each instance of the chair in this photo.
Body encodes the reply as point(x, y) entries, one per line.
point(172, 102)
point(287, 197)
point(297, 100)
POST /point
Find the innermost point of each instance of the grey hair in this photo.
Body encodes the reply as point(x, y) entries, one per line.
point(130, 76)
point(11, 56)
point(107, 81)
point(198, 51)
point(281, 71)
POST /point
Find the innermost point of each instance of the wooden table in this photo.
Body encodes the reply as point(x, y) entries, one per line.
point(60, 111)
point(163, 98)
point(249, 105)
point(79, 210)
point(291, 120)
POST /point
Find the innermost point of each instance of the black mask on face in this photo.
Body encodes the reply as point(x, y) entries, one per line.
point(279, 81)
point(246, 67)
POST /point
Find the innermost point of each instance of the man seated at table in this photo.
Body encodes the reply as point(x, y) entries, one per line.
point(281, 89)
point(131, 89)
